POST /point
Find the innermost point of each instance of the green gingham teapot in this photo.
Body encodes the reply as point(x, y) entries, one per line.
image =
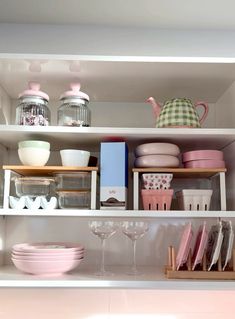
point(178, 112)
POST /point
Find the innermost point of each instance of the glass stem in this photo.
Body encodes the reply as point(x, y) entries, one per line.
point(102, 269)
point(133, 268)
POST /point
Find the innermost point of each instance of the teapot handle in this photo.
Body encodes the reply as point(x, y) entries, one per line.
point(206, 109)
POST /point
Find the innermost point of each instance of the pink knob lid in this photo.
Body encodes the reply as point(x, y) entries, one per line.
point(34, 90)
point(75, 92)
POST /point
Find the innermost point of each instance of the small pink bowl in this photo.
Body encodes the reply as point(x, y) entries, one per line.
point(48, 247)
point(46, 258)
point(205, 164)
point(202, 155)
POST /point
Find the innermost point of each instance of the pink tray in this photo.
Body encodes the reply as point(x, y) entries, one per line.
point(205, 164)
point(202, 155)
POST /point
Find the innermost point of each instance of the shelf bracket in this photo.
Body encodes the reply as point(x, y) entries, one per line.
point(7, 181)
point(136, 191)
point(93, 189)
point(222, 191)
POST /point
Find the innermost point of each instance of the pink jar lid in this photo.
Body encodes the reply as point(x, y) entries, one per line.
point(75, 92)
point(34, 90)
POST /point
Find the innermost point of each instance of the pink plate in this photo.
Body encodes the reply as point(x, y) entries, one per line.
point(200, 245)
point(46, 268)
point(184, 246)
point(48, 247)
point(205, 164)
point(202, 155)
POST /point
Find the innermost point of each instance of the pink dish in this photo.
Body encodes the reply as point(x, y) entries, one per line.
point(200, 245)
point(202, 155)
point(205, 164)
point(46, 268)
point(69, 253)
point(48, 247)
point(184, 246)
point(47, 258)
point(157, 148)
point(157, 161)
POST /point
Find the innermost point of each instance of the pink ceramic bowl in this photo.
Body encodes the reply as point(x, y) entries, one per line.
point(48, 247)
point(202, 154)
point(205, 164)
point(157, 148)
point(157, 161)
point(55, 254)
point(46, 268)
point(47, 258)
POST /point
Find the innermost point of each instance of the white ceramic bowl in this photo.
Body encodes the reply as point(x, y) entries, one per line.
point(34, 144)
point(33, 156)
point(74, 157)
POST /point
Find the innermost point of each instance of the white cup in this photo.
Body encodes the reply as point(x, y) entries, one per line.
point(75, 157)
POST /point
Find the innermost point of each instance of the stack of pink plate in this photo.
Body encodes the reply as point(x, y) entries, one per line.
point(203, 159)
point(44, 259)
point(157, 155)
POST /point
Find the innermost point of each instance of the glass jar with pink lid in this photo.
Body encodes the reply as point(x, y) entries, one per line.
point(33, 107)
point(74, 110)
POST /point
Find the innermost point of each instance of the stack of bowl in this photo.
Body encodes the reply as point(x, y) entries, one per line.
point(34, 153)
point(157, 155)
point(203, 159)
point(47, 258)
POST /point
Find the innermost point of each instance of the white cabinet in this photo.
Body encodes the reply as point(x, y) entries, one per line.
point(118, 110)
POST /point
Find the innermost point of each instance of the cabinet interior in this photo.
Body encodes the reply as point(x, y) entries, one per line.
point(118, 91)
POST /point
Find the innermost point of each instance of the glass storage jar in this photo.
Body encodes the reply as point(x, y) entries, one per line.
point(33, 107)
point(74, 110)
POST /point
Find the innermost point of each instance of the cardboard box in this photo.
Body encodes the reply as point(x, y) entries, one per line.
point(113, 175)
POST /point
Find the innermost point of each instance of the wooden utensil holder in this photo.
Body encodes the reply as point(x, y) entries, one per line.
point(172, 273)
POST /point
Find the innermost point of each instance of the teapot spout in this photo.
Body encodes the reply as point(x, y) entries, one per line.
point(155, 105)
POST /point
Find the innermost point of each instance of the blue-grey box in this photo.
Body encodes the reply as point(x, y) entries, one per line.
point(113, 175)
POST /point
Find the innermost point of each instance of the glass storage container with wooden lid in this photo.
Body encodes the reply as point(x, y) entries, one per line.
point(33, 107)
point(74, 110)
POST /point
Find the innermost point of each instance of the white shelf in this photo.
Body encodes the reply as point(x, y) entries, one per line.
point(153, 278)
point(10, 135)
point(117, 213)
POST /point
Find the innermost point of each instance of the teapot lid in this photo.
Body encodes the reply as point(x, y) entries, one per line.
point(75, 92)
point(34, 90)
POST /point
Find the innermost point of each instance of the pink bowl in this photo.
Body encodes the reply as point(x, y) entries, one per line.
point(202, 155)
point(42, 254)
point(47, 258)
point(48, 247)
point(46, 268)
point(205, 164)
point(157, 161)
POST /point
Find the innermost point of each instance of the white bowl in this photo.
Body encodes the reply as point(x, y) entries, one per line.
point(74, 157)
point(33, 156)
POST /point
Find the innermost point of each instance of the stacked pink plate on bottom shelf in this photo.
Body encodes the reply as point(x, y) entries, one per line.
point(47, 259)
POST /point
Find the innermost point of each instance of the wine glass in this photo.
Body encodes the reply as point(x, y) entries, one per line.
point(134, 230)
point(104, 230)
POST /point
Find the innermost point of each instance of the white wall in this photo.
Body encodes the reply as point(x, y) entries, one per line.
point(225, 109)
